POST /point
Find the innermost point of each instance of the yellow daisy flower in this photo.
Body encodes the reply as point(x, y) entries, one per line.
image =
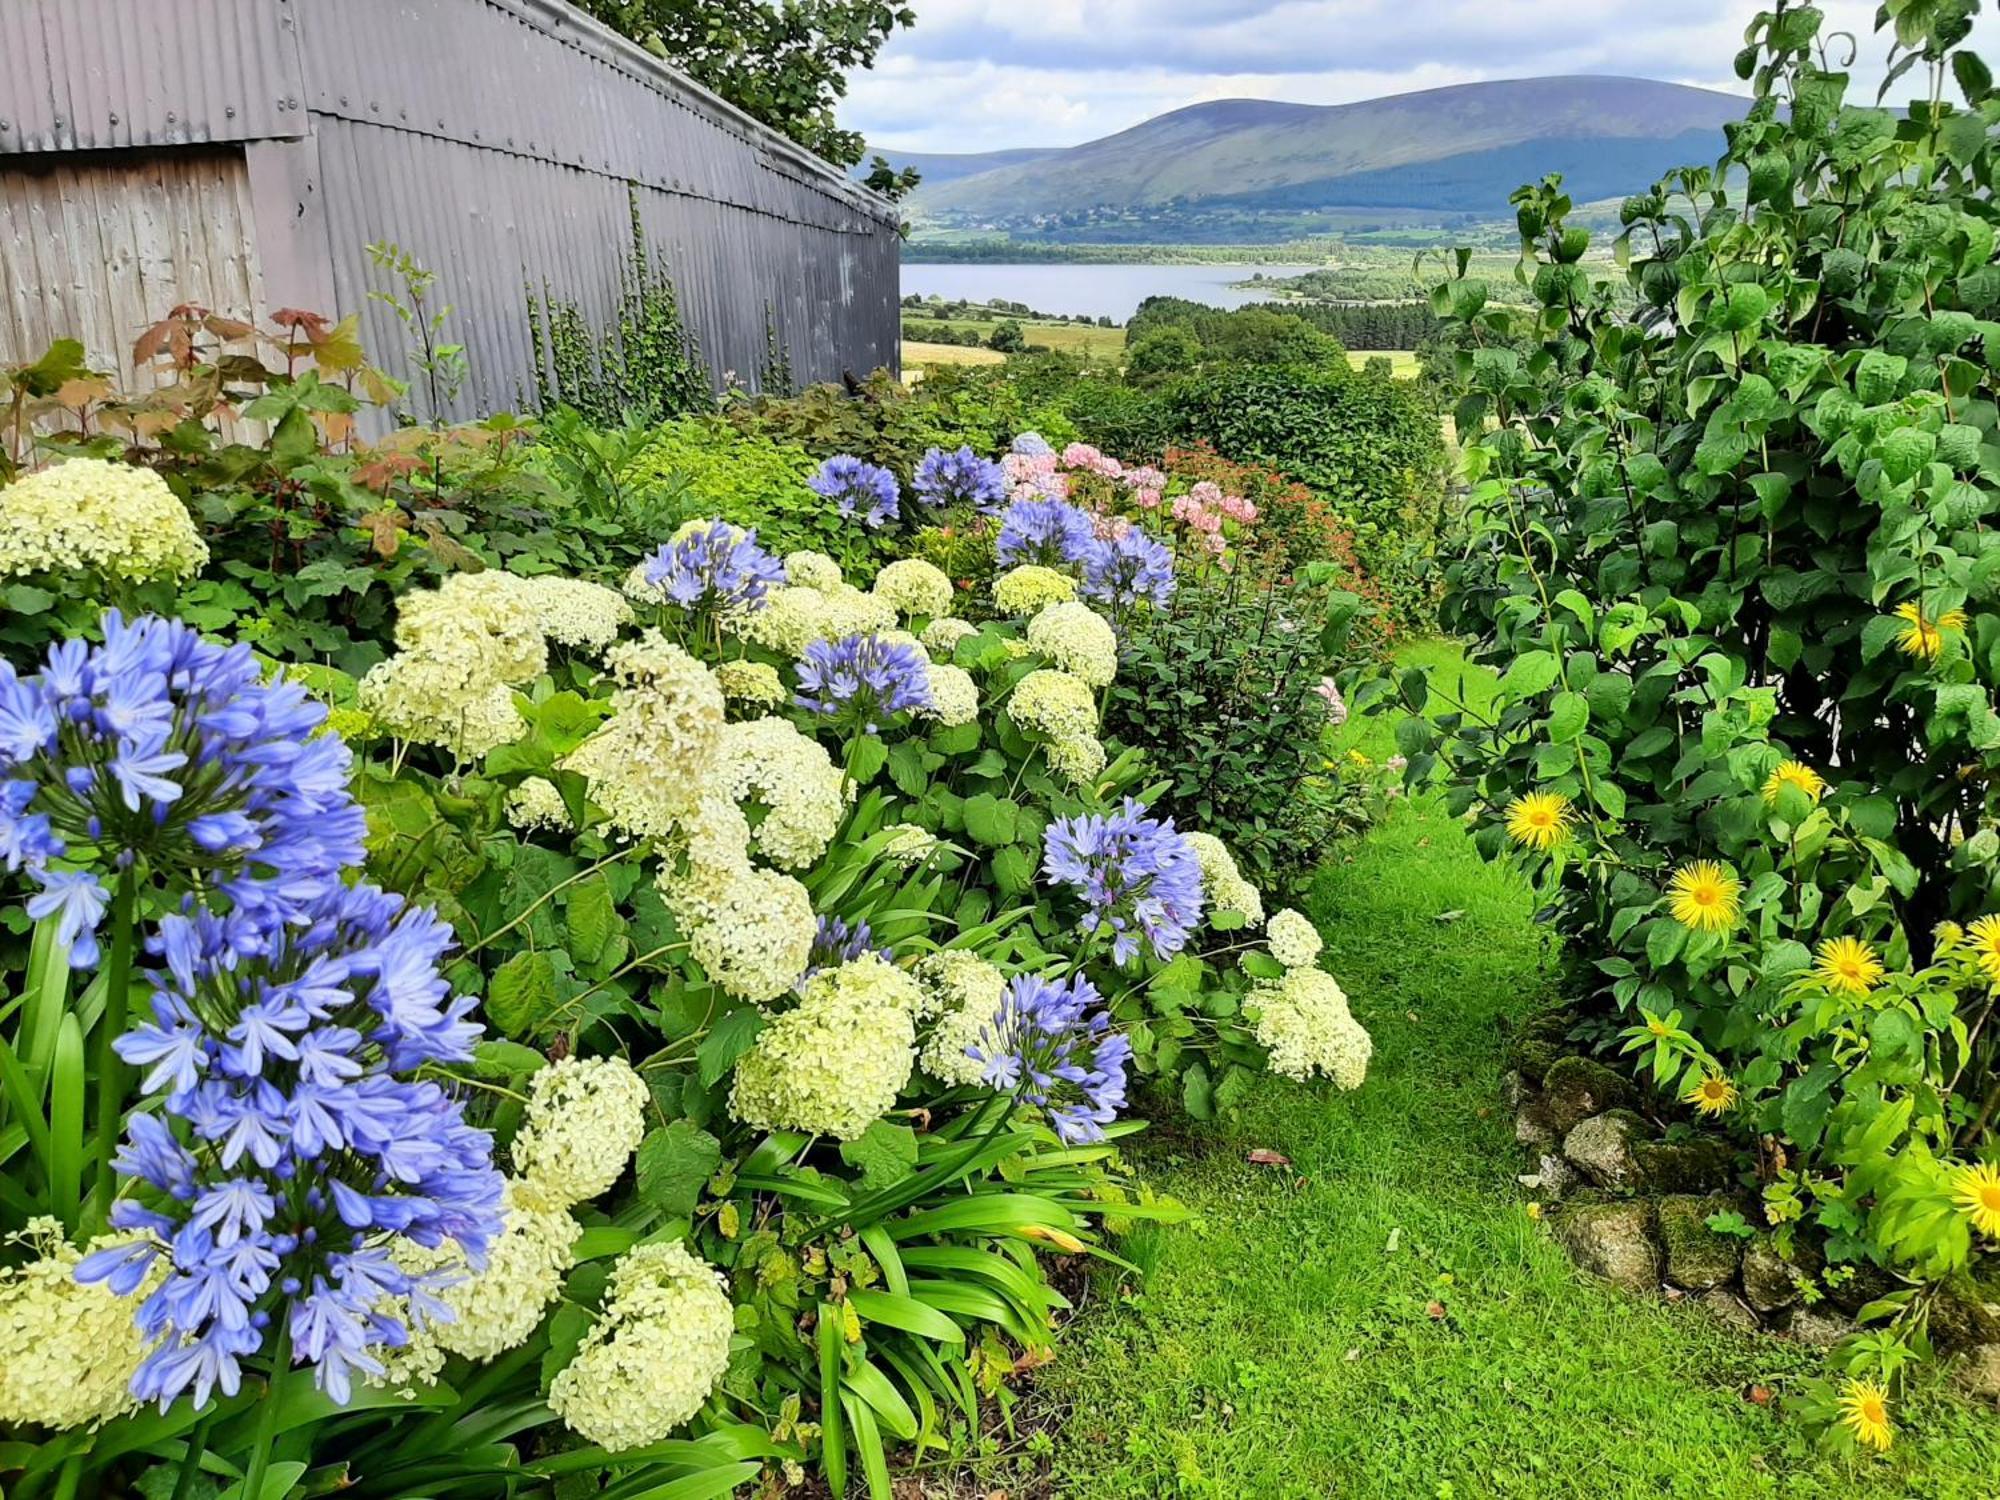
point(1922, 637)
point(1976, 1191)
point(1848, 966)
point(1703, 896)
point(1540, 820)
point(1985, 935)
point(1793, 773)
point(1712, 1095)
point(1864, 1411)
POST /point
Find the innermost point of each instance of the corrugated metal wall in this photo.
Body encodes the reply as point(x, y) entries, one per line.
point(497, 141)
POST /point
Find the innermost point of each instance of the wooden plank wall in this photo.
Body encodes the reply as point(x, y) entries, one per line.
point(98, 247)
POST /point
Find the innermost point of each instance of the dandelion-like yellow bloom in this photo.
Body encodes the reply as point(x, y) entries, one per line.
point(1847, 966)
point(1712, 1095)
point(1793, 773)
point(1976, 1191)
point(1864, 1411)
point(1540, 820)
point(1922, 637)
point(1703, 896)
point(1985, 935)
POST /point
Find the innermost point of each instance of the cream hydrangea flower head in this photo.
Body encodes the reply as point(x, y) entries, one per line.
point(481, 615)
point(812, 570)
point(954, 696)
point(847, 610)
point(1304, 1020)
point(791, 620)
point(835, 1064)
point(442, 698)
point(585, 1118)
point(1294, 941)
point(915, 587)
point(707, 854)
point(941, 636)
point(908, 845)
point(757, 937)
point(536, 804)
point(1077, 639)
point(1030, 588)
point(647, 765)
point(789, 774)
point(654, 1356)
point(87, 515)
point(68, 1352)
point(499, 1306)
point(1078, 758)
point(755, 683)
point(1222, 882)
point(573, 612)
point(964, 991)
point(1053, 703)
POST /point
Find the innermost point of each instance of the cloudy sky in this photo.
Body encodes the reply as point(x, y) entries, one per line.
point(976, 75)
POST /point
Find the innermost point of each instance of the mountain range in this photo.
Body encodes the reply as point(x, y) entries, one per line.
point(1421, 157)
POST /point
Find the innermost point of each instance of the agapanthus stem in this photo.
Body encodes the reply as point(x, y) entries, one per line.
point(110, 1027)
point(267, 1413)
point(197, 1444)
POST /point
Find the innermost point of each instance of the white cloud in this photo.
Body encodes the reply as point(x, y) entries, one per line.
point(978, 75)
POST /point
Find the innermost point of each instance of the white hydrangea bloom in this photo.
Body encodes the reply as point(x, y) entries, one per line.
point(88, 515)
point(848, 610)
point(500, 1306)
point(654, 1356)
point(757, 937)
point(915, 587)
point(708, 852)
point(536, 804)
point(812, 570)
point(793, 778)
point(791, 620)
point(756, 683)
point(1222, 882)
point(1294, 941)
point(647, 764)
point(1031, 588)
point(575, 613)
point(965, 992)
point(954, 695)
point(1053, 703)
point(1078, 758)
point(909, 845)
point(835, 1064)
point(1304, 1020)
point(68, 1352)
point(585, 1118)
point(1077, 639)
point(941, 637)
point(482, 615)
point(445, 698)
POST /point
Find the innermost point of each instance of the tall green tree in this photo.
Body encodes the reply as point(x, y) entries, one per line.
point(784, 61)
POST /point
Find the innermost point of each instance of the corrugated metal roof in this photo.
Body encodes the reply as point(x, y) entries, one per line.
point(80, 75)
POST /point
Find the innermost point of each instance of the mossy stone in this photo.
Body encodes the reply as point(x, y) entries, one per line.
point(1575, 1088)
point(1702, 1165)
point(1697, 1257)
point(1532, 1057)
point(1614, 1241)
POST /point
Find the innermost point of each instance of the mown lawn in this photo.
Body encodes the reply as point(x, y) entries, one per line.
point(1403, 363)
point(1382, 1318)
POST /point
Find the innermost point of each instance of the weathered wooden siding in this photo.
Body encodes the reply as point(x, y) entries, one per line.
point(497, 141)
point(97, 248)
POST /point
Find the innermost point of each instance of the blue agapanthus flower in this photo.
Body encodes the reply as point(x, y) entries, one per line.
point(1129, 567)
point(960, 478)
point(290, 1148)
point(858, 487)
point(162, 748)
point(1137, 875)
point(1050, 532)
point(716, 566)
point(1032, 445)
point(862, 681)
point(836, 943)
point(1051, 1045)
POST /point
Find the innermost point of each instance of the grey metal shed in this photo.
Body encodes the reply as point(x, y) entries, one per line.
point(243, 153)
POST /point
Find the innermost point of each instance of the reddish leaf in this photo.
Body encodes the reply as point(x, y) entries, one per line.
point(1263, 1158)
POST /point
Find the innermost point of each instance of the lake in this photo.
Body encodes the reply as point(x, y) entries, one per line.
point(1096, 290)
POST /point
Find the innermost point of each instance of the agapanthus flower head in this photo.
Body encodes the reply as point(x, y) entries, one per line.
point(160, 746)
point(863, 681)
point(715, 566)
point(838, 942)
point(1051, 1045)
point(1128, 567)
point(960, 478)
point(1049, 532)
point(1140, 879)
point(857, 487)
point(290, 1148)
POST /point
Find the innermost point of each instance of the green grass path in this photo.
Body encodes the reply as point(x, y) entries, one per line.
point(1383, 1318)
